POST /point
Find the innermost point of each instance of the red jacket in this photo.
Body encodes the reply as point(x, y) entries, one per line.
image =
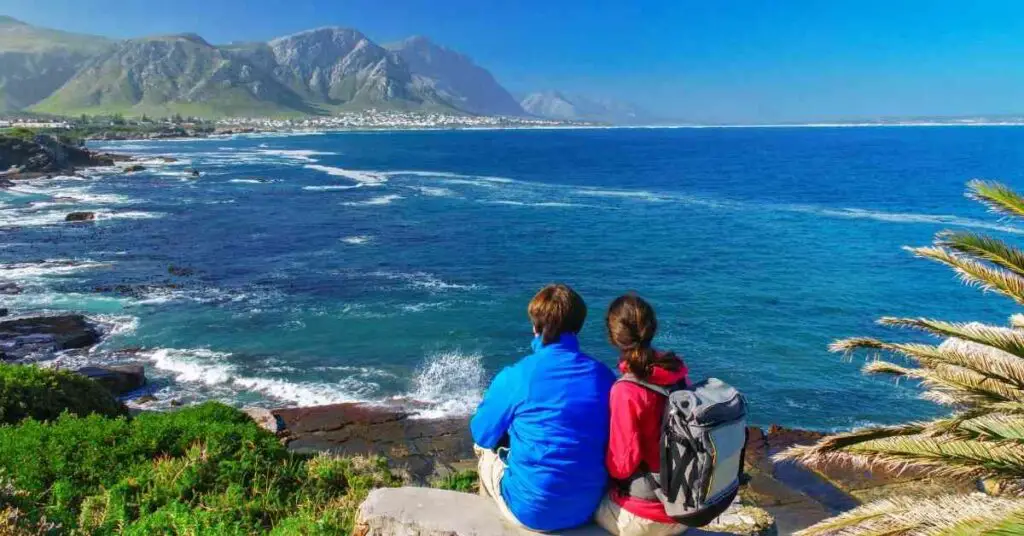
point(635, 433)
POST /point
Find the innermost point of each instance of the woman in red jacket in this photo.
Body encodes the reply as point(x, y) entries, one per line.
point(636, 421)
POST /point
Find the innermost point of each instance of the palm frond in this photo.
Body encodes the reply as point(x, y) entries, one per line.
point(999, 198)
point(975, 273)
point(983, 247)
point(924, 454)
point(993, 427)
point(940, 516)
point(964, 386)
point(1008, 340)
point(981, 359)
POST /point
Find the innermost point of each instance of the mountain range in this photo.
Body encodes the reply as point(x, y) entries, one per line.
point(320, 71)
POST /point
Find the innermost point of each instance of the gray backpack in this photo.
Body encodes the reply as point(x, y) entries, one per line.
point(703, 436)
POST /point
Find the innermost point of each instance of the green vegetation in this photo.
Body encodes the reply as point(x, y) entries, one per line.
point(21, 133)
point(466, 481)
point(207, 469)
point(976, 369)
point(44, 394)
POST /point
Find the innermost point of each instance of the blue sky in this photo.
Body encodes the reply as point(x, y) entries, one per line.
point(709, 60)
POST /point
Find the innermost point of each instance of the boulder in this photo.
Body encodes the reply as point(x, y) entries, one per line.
point(9, 288)
point(134, 167)
point(3, 312)
point(180, 271)
point(80, 216)
point(412, 511)
point(119, 379)
point(63, 331)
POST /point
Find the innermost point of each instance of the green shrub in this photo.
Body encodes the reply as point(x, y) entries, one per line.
point(207, 469)
point(43, 394)
point(21, 133)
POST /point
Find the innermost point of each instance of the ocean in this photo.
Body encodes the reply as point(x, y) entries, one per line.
point(395, 267)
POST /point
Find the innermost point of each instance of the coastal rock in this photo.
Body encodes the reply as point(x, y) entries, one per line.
point(422, 447)
point(119, 379)
point(180, 271)
point(20, 337)
point(134, 167)
point(145, 399)
point(45, 154)
point(9, 288)
point(3, 312)
point(432, 512)
point(80, 216)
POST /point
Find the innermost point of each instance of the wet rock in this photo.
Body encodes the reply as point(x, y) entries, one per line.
point(9, 288)
point(145, 399)
point(134, 167)
point(420, 446)
point(168, 159)
point(176, 403)
point(136, 291)
point(180, 271)
point(24, 336)
point(119, 379)
point(80, 216)
point(3, 312)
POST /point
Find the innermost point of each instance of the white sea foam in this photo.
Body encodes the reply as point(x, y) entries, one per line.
point(553, 204)
point(48, 268)
point(330, 188)
point(299, 155)
point(434, 191)
point(369, 178)
point(451, 383)
point(904, 217)
point(632, 194)
point(250, 181)
point(357, 240)
point(212, 368)
point(423, 280)
point(373, 201)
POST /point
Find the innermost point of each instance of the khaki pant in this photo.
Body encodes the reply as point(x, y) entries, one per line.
point(622, 522)
point(491, 468)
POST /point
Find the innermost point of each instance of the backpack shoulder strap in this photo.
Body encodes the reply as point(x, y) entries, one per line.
point(650, 386)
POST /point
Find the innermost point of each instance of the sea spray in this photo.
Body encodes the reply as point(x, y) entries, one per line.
point(450, 382)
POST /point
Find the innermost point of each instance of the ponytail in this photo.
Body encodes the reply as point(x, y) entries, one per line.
point(631, 327)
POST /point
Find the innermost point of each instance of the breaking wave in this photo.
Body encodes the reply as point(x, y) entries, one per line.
point(369, 178)
point(380, 200)
point(450, 383)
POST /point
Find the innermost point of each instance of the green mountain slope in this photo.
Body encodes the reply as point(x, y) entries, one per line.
point(34, 62)
point(173, 74)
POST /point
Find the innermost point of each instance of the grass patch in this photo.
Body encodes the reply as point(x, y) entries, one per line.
point(466, 481)
point(207, 469)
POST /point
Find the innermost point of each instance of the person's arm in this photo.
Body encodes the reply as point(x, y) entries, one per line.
point(494, 415)
point(623, 456)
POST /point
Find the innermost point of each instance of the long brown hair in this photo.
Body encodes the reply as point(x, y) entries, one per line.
point(631, 326)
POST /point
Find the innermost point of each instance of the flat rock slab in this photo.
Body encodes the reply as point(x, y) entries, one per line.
point(423, 447)
point(118, 379)
point(432, 512)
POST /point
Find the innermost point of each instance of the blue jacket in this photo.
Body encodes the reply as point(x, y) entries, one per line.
point(554, 407)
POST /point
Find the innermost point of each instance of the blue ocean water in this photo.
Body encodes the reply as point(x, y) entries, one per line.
point(396, 266)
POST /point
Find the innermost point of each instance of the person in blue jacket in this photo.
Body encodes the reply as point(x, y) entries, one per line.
point(542, 427)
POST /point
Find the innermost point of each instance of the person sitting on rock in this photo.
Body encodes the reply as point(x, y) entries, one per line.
point(636, 413)
point(542, 426)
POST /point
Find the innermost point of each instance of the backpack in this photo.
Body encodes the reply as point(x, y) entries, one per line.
point(703, 435)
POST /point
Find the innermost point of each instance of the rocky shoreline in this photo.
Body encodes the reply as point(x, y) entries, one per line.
point(429, 449)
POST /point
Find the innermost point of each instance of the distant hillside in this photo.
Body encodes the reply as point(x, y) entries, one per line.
point(34, 62)
point(319, 71)
point(556, 105)
point(455, 78)
point(168, 74)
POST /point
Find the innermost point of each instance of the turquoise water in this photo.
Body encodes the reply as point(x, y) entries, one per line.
point(396, 266)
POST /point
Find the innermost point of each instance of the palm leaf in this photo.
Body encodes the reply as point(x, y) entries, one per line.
point(1008, 340)
point(997, 197)
point(981, 359)
point(940, 516)
point(975, 273)
point(983, 247)
point(924, 454)
point(961, 386)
